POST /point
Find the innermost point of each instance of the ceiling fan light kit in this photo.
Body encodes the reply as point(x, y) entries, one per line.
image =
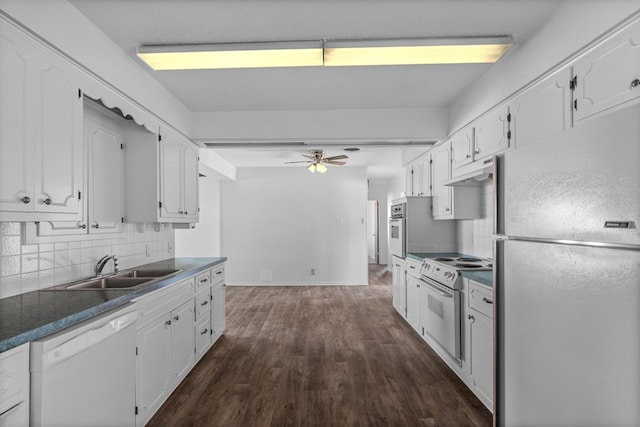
point(318, 161)
point(325, 53)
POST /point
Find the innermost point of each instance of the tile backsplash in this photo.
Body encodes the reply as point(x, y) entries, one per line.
point(475, 236)
point(29, 267)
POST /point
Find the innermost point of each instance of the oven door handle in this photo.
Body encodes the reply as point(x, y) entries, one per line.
point(437, 290)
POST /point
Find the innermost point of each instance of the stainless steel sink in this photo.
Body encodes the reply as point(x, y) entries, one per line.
point(148, 273)
point(114, 282)
point(130, 279)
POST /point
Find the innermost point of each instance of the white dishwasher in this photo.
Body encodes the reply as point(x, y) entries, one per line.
point(85, 375)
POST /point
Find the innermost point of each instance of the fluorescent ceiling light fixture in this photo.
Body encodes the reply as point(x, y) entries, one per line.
point(415, 51)
point(233, 55)
point(470, 50)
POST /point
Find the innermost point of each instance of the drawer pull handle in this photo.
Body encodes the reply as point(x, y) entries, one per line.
point(204, 331)
point(635, 83)
point(204, 280)
point(203, 303)
point(487, 300)
point(218, 273)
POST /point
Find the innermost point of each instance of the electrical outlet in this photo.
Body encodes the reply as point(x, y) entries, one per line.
point(313, 271)
point(148, 249)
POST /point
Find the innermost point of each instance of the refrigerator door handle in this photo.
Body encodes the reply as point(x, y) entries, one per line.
point(498, 315)
point(498, 194)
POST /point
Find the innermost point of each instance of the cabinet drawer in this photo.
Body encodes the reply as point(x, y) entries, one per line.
point(203, 336)
point(481, 298)
point(203, 279)
point(217, 274)
point(14, 377)
point(203, 304)
point(413, 267)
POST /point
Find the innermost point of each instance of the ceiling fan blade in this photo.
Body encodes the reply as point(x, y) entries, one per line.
point(342, 156)
point(309, 157)
point(335, 162)
point(302, 161)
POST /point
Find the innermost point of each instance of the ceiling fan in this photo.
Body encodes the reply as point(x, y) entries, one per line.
point(317, 161)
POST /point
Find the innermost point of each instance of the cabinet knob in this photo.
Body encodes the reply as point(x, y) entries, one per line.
point(83, 226)
point(47, 201)
point(26, 199)
point(471, 317)
point(477, 151)
point(468, 156)
point(168, 323)
point(635, 83)
point(447, 209)
point(186, 212)
point(180, 211)
point(176, 318)
point(96, 225)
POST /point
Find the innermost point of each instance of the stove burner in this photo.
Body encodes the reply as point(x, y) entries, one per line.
point(443, 259)
point(469, 259)
point(462, 265)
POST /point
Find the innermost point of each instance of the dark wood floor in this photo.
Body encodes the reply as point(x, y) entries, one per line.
point(320, 356)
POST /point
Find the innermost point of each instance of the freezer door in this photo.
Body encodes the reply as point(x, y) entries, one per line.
point(568, 335)
point(581, 184)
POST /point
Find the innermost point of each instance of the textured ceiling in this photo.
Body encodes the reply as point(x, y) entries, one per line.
point(131, 23)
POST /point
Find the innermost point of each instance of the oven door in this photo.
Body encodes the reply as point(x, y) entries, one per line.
point(440, 314)
point(397, 238)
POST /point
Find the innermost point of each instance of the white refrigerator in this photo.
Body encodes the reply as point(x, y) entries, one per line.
point(567, 277)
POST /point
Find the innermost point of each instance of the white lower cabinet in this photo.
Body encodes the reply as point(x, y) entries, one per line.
point(399, 275)
point(177, 326)
point(14, 387)
point(413, 297)
point(479, 330)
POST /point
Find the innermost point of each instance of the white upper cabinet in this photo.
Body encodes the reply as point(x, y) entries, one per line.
point(40, 133)
point(179, 178)
point(462, 148)
point(161, 173)
point(419, 177)
point(492, 133)
point(543, 110)
point(440, 172)
point(608, 76)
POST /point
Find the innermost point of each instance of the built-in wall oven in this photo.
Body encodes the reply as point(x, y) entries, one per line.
point(396, 230)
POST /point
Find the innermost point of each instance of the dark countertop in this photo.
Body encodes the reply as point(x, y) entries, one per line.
point(33, 315)
point(484, 277)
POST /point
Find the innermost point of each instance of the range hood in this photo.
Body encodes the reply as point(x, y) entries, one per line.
point(472, 175)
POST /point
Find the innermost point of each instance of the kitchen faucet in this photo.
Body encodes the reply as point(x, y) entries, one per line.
point(100, 264)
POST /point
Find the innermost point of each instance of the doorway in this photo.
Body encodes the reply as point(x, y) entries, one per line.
point(373, 244)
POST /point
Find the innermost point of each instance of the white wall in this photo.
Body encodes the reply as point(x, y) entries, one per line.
point(204, 240)
point(475, 236)
point(25, 268)
point(378, 191)
point(279, 223)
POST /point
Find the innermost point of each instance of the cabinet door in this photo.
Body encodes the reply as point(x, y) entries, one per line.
point(218, 322)
point(441, 171)
point(492, 133)
point(409, 180)
point(16, 147)
point(190, 191)
point(416, 183)
point(480, 329)
point(171, 176)
point(57, 116)
point(399, 287)
point(462, 145)
point(425, 176)
point(609, 76)
point(105, 183)
point(153, 365)
point(413, 302)
point(543, 110)
point(182, 341)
